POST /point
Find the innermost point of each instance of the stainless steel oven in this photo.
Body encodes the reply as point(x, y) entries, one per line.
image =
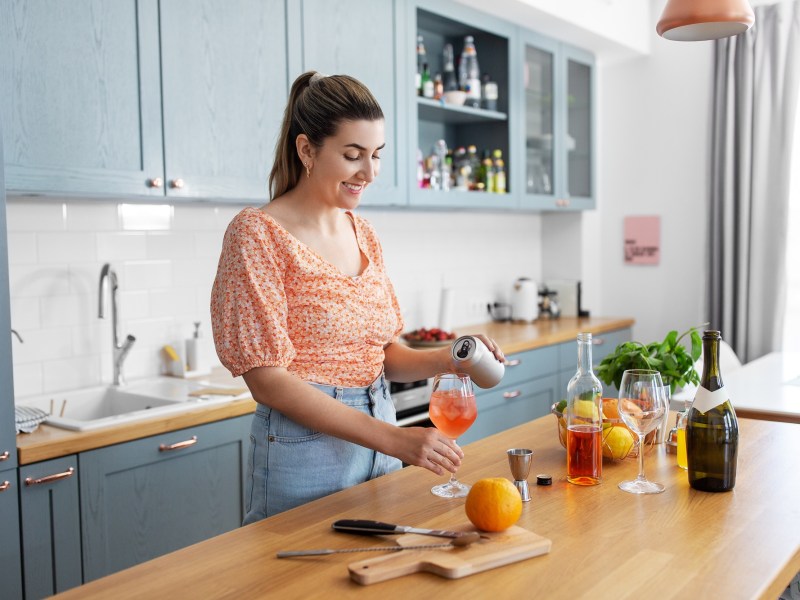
point(411, 402)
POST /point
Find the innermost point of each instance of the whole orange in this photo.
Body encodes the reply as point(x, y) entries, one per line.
point(493, 504)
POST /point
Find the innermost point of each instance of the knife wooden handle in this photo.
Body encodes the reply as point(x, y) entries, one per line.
point(364, 527)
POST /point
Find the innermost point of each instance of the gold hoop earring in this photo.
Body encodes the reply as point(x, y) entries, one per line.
point(308, 170)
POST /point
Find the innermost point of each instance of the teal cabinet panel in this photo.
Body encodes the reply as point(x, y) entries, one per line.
point(50, 524)
point(557, 89)
point(144, 498)
point(530, 365)
point(508, 407)
point(81, 108)
point(330, 47)
point(224, 84)
point(10, 558)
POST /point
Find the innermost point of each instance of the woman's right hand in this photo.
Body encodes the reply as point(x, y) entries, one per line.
point(427, 447)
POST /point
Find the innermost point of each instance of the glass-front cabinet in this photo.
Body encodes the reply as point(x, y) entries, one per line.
point(557, 88)
point(459, 144)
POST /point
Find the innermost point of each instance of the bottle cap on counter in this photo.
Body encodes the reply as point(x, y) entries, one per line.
point(543, 479)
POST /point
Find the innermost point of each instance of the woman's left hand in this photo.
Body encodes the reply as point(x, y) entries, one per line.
point(493, 347)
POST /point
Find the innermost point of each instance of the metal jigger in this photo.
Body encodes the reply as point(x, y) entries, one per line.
point(519, 459)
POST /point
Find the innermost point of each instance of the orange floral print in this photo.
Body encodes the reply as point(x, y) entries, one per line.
point(275, 302)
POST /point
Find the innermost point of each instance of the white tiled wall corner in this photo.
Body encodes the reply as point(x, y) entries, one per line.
point(56, 251)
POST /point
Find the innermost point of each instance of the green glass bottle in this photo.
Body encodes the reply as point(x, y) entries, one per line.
point(712, 432)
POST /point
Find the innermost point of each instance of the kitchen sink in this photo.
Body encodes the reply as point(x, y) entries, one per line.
point(98, 407)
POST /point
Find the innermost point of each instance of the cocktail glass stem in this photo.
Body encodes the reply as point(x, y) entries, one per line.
point(641, 476)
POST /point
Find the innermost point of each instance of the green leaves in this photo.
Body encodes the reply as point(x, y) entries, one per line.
point(669, 357)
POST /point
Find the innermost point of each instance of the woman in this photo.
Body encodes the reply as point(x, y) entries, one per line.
point(303, 309)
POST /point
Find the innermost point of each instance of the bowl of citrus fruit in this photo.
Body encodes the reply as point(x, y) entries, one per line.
point(619, 442)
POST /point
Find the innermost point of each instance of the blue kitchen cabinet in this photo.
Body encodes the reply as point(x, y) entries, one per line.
point(440, 22)
point(80, 103)
point(50, 525)
point(224, 87)
point(148, 497)
point(142, 98)
point(374, 56)
point(10, 557)
point(556, 86)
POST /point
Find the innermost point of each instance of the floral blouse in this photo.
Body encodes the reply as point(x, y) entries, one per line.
point(275, 302)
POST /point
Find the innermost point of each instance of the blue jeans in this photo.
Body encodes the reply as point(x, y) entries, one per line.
point(290, 464)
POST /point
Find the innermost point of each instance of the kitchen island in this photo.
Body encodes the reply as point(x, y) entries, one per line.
point(605, 543)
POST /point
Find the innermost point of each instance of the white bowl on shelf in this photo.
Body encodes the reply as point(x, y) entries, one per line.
point(455, 97)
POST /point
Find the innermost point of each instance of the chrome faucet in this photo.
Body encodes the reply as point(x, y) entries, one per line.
point(120, 350)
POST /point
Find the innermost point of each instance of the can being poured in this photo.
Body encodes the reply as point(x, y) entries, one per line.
point(471, 356)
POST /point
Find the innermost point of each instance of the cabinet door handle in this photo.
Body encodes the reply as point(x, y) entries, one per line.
point(598, 341)
point(513, 362)
point(50, 478)
point(4, 486)
point(4, 456)
point(155, 182)
point(178, 445)
point(176, 183)
point(512, 394)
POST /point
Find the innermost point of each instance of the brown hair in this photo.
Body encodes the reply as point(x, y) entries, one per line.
point(317, 105)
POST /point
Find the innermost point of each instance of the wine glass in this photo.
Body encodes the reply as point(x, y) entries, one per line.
point(642, 405)
point(452, 410)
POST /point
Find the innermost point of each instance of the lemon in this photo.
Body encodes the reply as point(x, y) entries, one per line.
point(586, 409)
point(617, 442)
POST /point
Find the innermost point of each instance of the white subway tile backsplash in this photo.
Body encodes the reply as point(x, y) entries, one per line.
point(69, 374)
point(58, 247)
point(170, 245)
point(44, 344)
point(146, 275)
point(25, 214)
point(34, 281)
point(28, 380)
point(118, 246)
point(166, 259)
point(92, 216)
point(22, 249)
point(67, 310)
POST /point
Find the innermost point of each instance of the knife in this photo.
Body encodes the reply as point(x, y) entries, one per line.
point(366, 527)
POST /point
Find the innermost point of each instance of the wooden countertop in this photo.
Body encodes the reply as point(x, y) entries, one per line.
point(51, 442)
point(605, 543)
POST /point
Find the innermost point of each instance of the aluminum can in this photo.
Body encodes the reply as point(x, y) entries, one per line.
point(471, 356)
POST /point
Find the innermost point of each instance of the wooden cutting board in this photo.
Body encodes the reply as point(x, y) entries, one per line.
point(493, 550)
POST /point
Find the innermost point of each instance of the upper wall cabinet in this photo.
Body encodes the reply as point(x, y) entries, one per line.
point(557, 90)
point(328, 45)
point(83, 111)
point(487, 127)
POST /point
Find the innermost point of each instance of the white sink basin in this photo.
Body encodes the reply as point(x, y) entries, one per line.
point(98, 407)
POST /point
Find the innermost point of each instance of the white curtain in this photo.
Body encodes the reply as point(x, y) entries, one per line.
point(756, 77)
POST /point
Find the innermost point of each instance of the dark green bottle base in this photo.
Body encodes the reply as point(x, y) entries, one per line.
point(707, 484)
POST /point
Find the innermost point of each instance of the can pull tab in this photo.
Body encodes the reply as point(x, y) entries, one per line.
point(463, 351)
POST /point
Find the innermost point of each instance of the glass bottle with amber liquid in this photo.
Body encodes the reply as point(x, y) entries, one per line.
point(584, 414)
point(712, 432)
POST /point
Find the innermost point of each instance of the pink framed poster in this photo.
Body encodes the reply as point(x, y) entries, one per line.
point(642, 240)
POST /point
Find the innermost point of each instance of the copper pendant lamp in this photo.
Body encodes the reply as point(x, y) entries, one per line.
point(695, 20)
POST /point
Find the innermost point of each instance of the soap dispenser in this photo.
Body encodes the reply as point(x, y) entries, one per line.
point(194, 352)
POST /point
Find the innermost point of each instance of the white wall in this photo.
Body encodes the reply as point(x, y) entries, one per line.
point(166, 268)
point(654, 160)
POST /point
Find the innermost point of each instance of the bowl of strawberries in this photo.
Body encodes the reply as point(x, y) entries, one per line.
point(426, 338)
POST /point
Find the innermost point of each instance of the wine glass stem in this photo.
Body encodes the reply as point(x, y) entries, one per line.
point(641, 457)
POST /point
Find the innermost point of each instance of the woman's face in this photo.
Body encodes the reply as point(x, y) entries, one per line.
point(348, 162)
